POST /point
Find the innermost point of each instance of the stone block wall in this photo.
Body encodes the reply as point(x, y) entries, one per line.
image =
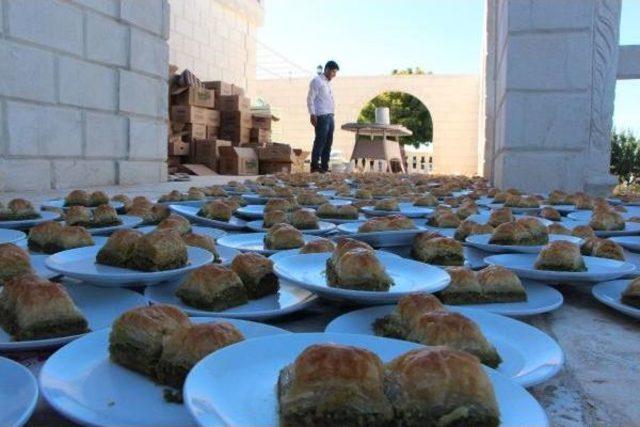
point(83, 92)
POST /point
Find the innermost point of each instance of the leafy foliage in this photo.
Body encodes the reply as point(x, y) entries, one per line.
point(625, 156)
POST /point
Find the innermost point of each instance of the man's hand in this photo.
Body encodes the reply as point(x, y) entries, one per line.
point(314, 120)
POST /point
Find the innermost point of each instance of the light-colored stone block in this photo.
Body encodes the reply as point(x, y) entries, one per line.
point(109, 7)
point(26, 72)
point(143, 95)
point(87, 85)
point(147, 14)
point(49, 23)
point(106, 135)
point(141, 172)
point(549, 61)
point(40, 131)
point(24, 175)
point(147, 139)
point(71, 173)
point(106, 40)
point(540, 171)
point(526, 15)
point(148, 53)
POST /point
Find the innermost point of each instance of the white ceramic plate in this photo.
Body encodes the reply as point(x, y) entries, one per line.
point(308, 272)
point(100, 306)
point(81, 264)
point(630, 229)
point(128, 221)
point(598, 269)
point(59, 204)
point(288, 300)
point(191, 212)
point(361, 218)
point(28, 223)
point(483, 218)
point(406, 209)
point(214, 233)
point(474, 258)
point(98, 241)
point(514, 210)
point(629, 242)
point(586, 215)
point(11, 236)
point(481, 241)
point(529, 356)
point(323, 228)
point(609, 293)
point(563, 209)
point(253, 242)
point(215, 397)
point(380, 239)
point(18, 393)
point(80, 382)
point(251, 211)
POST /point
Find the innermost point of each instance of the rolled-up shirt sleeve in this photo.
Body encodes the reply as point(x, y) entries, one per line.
point(311, 96)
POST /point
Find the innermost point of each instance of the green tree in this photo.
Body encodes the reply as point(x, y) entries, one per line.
point(625, 156)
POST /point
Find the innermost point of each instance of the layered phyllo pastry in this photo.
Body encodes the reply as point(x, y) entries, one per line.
point(583, 231)
point(500, 216)
point(304, 219)
point(119, 248)
point(521, 202)
point(360, 269)
point(464, 287)
point(500, 197)
point(126, 201)
point(151, 214)
point(331, 384)
point(438, 250)
point(32, 308)
point(158, 251)
point(557, 228)
point(466, 211)
point(195, 194)
point(388, 223)
point(51, 237)
point(500, 284)
point(274, 217)
point(386, 205)
point(584, 202)
point(202, 241)
point(550, 213)
point(363, 195)
point(104, 216)
point(17, 210)
point(607, 221)
point(538, 232)
point(284, 192)
point(217, 210)
point(236, 202)
point(266, 192)
point(318, 246)
point(137, 336)
point(560, 256)
point(282, 237)
point(445, 219)
point(78, 215)
point(310, 198)
point(186, 346)
point(77, 198)
point(343, 245)
point(469, 228)
point(631, 294)
point(426, 200)
point(278, 205)
point(212, 288)
point(557, 197)
point(14, 261)
point(327, 210)
point(602, 248)
point(509, 233)
point(424, 321)
point(98, 198)
point(256, 273)
point(215, 191)
point(453, 202)
point(175, 222)
point(440, 386)
point(173, 196)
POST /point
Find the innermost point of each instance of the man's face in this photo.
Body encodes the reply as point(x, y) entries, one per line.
point(330, 74)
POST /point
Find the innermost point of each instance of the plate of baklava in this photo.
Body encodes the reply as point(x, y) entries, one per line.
point(386, 207)
point(101, 220)
point(440, 251)
point(562, 261)
point(131, 257)
point(18, 393)
point(607, 223)
point(519, 351)
point(383, 231)
point(348, 379)
point(51, 237)
point(82, 198)
point(225, 220)
point(36, 313)
point(247, 289)
point(16, 261)
point(354, 271)
point(133, 372)
point(20, 213)
point(279, 237)
point(621, 295)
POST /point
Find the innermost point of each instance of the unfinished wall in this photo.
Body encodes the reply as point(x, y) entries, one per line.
point(216, 39)
point(83, 92)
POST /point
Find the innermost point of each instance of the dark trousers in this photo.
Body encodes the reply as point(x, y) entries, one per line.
point(322, 143)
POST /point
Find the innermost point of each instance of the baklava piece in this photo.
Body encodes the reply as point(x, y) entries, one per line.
point(558, 229)
point(282, 237)
point(426, 200)
point(32, 308)
point(78, 215)
point(440, 386)
point(560, 256)
point(464, 287)
point(360, 269)
point(278, 205)
point(18, 210)
point(583, 231)
point(406, 314)
point(158, 251)
point(557, 197)
point(98, 198)
point(607, 221)
point(272, 218)
point(173, 196)
point(51, 237)
point(343, 245)
point(538, 232)
point(212, 288)
point(77, 198)
point(500, 216)
point(386, 205)
point(550, 213)
point(104, 216)
point(14, 261)
point(217, 210)
point(363, 195)
point(374, 224)
point(119, 248)
point(195, 194)
point(304, 219)
point(127, 203)
point(605, 248)
point(445, 219)
point(333, 385)
point(318, 246)
point(256, 273)
point(137, 336)
point(202, 241)
point(177, 223)
point(438, 251)
point(347, 212)
point(631, 294)
point(186, 346)
point(509, 233)
point(500, 284)
point(400, 222)
point(309, 198)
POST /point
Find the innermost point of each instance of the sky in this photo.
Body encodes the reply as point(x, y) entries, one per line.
point(372, 37)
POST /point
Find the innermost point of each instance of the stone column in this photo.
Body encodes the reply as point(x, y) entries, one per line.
point(550, 86)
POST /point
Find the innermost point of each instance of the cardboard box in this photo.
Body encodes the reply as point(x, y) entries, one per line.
point(207, 152)
point(260, 136)
point(234, 103)
point(212, 132)
point(179, 148)
point(175, 137)
point(269, 168)
point(235, 118)
point(238, 161)
point(261, 122)
point(194, 96)
point(276, 153)
point(224, 88)
point(177, 127)
point(298, 165)
point(195, 131)
point(197, 115)
point(238, 135)
point(174, 161)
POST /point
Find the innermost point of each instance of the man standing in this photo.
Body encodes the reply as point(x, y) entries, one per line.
point(321, 108)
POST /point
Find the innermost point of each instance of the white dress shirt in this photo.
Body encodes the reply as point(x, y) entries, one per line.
point(320, 97)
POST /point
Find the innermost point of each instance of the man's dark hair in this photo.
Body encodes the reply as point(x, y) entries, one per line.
point(331, 65)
